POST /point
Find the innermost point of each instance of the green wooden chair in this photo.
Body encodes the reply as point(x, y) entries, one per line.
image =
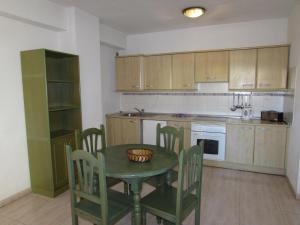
point(104, 207)
point(171, 204)
point(166, 137)
point(93, 139)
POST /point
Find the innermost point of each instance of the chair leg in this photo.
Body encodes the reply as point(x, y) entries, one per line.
point(126, 188)
point(74, 219)
point(166, 222)
point(144, 219)
point(158, 219)
point(197, 214)
point(132, 218)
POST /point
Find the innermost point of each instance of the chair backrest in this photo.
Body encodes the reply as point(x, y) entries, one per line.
point(190, 171)
point(169, 135)
point(89, 139)
point(88, 168)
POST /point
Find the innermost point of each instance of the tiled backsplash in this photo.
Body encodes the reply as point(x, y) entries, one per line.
point(204, 102)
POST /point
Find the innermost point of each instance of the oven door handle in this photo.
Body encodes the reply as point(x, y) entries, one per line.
point(207, 132)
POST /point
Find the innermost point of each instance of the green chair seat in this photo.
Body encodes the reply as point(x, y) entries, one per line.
point(175, 204)
point(156, 181)
point(116, 210)
point(162, 203)
point(90, 197)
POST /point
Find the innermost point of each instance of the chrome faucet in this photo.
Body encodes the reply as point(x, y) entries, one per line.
point(140, 111)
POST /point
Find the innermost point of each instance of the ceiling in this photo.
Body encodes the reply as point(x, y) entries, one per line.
point(143, 16)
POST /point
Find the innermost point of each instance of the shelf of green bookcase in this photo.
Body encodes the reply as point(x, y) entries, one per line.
point(62, 108)
point(59, 133)
point(61, 81)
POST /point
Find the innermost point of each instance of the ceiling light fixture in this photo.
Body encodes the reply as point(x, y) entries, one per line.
point(193, 12)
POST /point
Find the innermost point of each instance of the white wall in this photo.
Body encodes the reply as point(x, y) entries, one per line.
point(247, 34)
point(88, 48)
point(53, 27)
point(35, 12)
point(293, 165)
point(15, 37)
point(110, 98)
point(203, 104)
point(112, 37)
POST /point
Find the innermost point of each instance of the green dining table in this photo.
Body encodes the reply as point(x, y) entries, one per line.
point(134, 173)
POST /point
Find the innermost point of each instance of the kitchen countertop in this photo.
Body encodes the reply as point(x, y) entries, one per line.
point(196, 118)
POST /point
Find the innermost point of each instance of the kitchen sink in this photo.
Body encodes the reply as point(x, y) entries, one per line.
point(134, 114)
point(182, 115)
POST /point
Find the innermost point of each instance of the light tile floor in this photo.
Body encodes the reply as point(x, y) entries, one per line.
point(228, 198)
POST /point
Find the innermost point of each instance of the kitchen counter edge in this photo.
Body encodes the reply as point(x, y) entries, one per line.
point(199, 118)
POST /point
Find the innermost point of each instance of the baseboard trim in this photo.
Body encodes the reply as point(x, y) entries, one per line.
point(297, 196)
point(14, 197)
point(243, 167)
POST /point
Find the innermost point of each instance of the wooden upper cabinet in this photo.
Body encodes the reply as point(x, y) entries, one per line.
point(242, 74)
point(240, 143)
point(211, 66)
point(129, 74)
point(270, 146)
point(272, 66)
point(183, 71)
point(158, 72)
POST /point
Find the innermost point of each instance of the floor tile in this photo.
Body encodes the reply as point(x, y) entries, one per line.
point(292, 219)
point(6, 221)
point(228, 198)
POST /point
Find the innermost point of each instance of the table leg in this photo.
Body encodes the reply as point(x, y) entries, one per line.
point(137, 210)
point(169, 178)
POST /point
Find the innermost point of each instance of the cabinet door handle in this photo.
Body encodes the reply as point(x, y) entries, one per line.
point(211, 78)
point(248, 85)
point(132, 121)
point(265, 84)
point(135, 86)
point(149, 86)
point(263, 128)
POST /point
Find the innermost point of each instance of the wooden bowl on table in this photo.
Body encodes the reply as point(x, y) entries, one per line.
point(139, 155)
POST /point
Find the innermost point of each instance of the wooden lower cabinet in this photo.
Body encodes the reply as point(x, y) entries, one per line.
point(187, 133)
point(270, 145)
point(123, 131)
point(59, 160)
point(260, 145)
point(240, 143)
point(114, 131)
point(131, 129)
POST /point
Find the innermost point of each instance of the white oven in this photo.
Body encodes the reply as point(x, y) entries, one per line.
point(214, 136)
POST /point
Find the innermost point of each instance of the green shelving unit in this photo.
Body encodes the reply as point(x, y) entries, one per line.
point(51, 89)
